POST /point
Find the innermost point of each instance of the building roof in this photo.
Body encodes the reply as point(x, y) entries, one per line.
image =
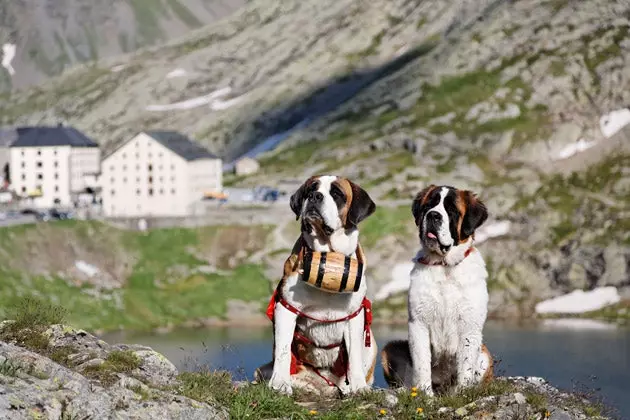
point(43, 136)
point(7, 137)
point(181, 145)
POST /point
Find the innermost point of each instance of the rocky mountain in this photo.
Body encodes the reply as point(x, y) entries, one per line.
point(40, 39)
point(525, 102)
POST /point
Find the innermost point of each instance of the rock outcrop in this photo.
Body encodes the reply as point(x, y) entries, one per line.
point(70, 373)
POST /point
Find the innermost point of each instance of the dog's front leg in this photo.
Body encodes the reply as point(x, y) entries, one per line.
point(283, 330)
point(420, 349)
point(468, 356)
point(355, 343)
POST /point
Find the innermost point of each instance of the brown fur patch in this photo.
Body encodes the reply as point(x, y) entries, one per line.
point(421, 199)
point(462, 205)
point(370, 374)
point(489, 375)
point(346, 187)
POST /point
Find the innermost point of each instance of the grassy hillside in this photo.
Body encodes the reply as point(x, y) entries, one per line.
point(165, 277)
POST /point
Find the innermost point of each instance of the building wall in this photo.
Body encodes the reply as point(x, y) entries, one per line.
point(44, 168)
point(84, 161)
point(206, 175)
point(144, 178)
point(5, 158)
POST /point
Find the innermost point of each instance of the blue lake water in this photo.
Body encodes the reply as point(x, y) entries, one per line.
point(591, 357)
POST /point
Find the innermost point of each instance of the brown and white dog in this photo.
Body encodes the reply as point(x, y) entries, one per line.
point(448, 298)
point(330, 208)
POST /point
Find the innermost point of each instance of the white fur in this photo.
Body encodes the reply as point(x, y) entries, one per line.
point(323, 305)
point(447, 311)
point(444, 234)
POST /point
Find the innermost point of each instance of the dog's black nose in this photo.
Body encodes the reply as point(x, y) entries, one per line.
point(317, 197)
point(434, 216)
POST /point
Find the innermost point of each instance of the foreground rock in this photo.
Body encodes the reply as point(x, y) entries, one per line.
point(91, 379)
point(70, 373)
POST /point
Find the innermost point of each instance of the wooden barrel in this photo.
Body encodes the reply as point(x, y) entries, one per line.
point(332, 272)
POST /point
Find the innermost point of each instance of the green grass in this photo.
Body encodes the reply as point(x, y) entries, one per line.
point(161, 283)
point(258, 401)
point(116, 362)
point(396, 221)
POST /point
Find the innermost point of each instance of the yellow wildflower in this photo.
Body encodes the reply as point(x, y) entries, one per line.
point(414, 389)
point(547, 414)
point(383, 412)
point(414, 394)
point(419, 410)
point(312, 412)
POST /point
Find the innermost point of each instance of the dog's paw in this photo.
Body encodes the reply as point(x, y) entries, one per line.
point(283, 386)
point(427, 390)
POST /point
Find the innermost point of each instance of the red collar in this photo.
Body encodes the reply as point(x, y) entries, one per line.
point(425, 260)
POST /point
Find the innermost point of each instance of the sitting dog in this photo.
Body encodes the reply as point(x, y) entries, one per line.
point(448, 298)
point(322, 340)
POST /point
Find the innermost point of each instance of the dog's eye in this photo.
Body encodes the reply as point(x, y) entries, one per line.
point(336, 193)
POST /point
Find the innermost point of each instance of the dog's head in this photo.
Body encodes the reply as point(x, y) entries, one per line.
point(447, 217)
point(329, 203)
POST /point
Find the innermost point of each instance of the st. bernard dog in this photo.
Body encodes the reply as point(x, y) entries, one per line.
point(332, 328)
point(448, 298)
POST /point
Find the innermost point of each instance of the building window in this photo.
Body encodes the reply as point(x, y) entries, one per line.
point(161, 191)
point(160, 154)
point(172, 167)
point(56, 176)
point(137, 167)
point(137, 143)
point(55, 152)
point(111, 180)
point(138, 191)
point(150, 155)
point(150, 167)
point(39, 164)
point(112, 192)
point(160, 167)
point(39, 152)
point(124, 155)
point(23, 164)
point(23, 177)
point(137, 155)
point(173, 178)
point(40, 176)
point(124, 180)
point(137, 180)
point(111, 168)
point(161, 179)
point(150, 180)
point(23, 189)
point(56, 164)
point(22, 153)
point(56, 188)
point(173, 191)
point(124, 168)
point(150, 191)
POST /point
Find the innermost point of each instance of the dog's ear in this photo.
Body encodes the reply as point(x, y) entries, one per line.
point(419, 203)
point(476, 214)
point(297, 199)
point(361, 206)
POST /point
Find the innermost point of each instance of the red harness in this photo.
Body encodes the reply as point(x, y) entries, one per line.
point(425, 260)
point(340, 368)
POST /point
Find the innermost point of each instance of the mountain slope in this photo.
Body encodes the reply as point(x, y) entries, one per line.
point(522, 101)
point(53, 35)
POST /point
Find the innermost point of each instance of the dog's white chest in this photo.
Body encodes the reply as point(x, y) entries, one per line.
point(440, 297)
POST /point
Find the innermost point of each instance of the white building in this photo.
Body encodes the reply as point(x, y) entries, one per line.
point(50, 164)
point(158, 173)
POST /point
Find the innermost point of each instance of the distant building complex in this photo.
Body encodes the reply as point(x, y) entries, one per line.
point(155, 173)
point(50, 164)
point(158, 173)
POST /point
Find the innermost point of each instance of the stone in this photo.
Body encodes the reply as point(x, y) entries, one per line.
point(520, 398)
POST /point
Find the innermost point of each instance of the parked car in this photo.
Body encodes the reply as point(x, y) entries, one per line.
point(60, 215)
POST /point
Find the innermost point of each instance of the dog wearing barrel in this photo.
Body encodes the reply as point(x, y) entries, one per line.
point(321, 317)
point(448, 298)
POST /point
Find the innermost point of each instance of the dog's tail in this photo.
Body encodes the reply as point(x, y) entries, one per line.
point(396, 362)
